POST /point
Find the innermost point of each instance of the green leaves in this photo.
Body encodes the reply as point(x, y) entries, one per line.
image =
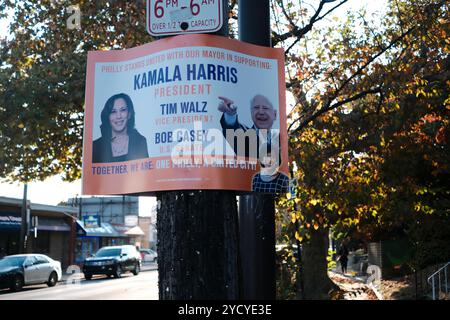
point(42, 73)
point(376, 163)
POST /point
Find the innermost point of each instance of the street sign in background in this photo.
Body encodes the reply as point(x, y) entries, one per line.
point(91, 221)
point(171, 17)
point(131, 221)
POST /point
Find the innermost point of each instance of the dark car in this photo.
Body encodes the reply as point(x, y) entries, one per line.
point(113, 261)
point(17, 271)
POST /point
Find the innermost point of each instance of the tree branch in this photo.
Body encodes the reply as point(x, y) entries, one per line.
point(328, 106)
point(291, 46)
point(288, 18)
point(300, 32)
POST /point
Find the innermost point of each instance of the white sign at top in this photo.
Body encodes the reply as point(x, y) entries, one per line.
point(131, 221)
point(171, 17)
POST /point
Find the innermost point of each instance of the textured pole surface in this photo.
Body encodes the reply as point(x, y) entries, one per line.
point(257, 211)
point(198, 245)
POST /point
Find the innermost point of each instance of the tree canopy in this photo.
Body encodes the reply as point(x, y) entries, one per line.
point(369, 131)
point(42, 79)
point(374, 107)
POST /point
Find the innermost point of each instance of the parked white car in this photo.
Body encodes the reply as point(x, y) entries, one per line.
point(21, 270)
point(148, 255)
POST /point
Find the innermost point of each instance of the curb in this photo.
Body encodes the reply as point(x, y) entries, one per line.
point(66, 276)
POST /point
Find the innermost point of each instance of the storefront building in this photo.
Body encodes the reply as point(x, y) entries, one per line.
point(105, 221)
point(51, 230)
point(91, 238)
point(9, 231)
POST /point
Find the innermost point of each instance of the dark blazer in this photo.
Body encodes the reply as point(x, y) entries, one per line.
point(237, 125)
point(137, 149)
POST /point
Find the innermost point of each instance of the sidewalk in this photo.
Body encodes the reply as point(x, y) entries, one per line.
point(353, 287)
point(148, 266)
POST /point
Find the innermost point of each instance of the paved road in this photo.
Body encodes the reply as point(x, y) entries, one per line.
point(141, 287)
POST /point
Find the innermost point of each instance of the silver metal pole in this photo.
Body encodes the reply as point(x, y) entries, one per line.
point(439, 283)
point(446, 283)
point(24, 222)
point(432, 286)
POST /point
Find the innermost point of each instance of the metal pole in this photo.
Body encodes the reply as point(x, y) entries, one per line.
point(434, 295)
point(80, 209)
point(257, 211)
point(446, 283)
point(254, 22)
point(439, 287)
point(24, 224)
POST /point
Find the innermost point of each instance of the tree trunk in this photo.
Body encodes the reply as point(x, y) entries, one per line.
point(198, 245)
point(316, 283)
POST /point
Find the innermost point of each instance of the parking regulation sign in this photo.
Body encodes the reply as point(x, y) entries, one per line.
point(171, 17)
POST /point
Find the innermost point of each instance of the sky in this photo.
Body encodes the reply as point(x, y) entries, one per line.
point(54, 190)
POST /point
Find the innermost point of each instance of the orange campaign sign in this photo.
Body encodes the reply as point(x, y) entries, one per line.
point(189, 112)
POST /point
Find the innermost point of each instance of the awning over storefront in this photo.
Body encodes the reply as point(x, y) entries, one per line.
point(10, 221)
point(105, 230)
point(136, 231)
point(50, 218)
point(48, 224)
point(129, 231)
